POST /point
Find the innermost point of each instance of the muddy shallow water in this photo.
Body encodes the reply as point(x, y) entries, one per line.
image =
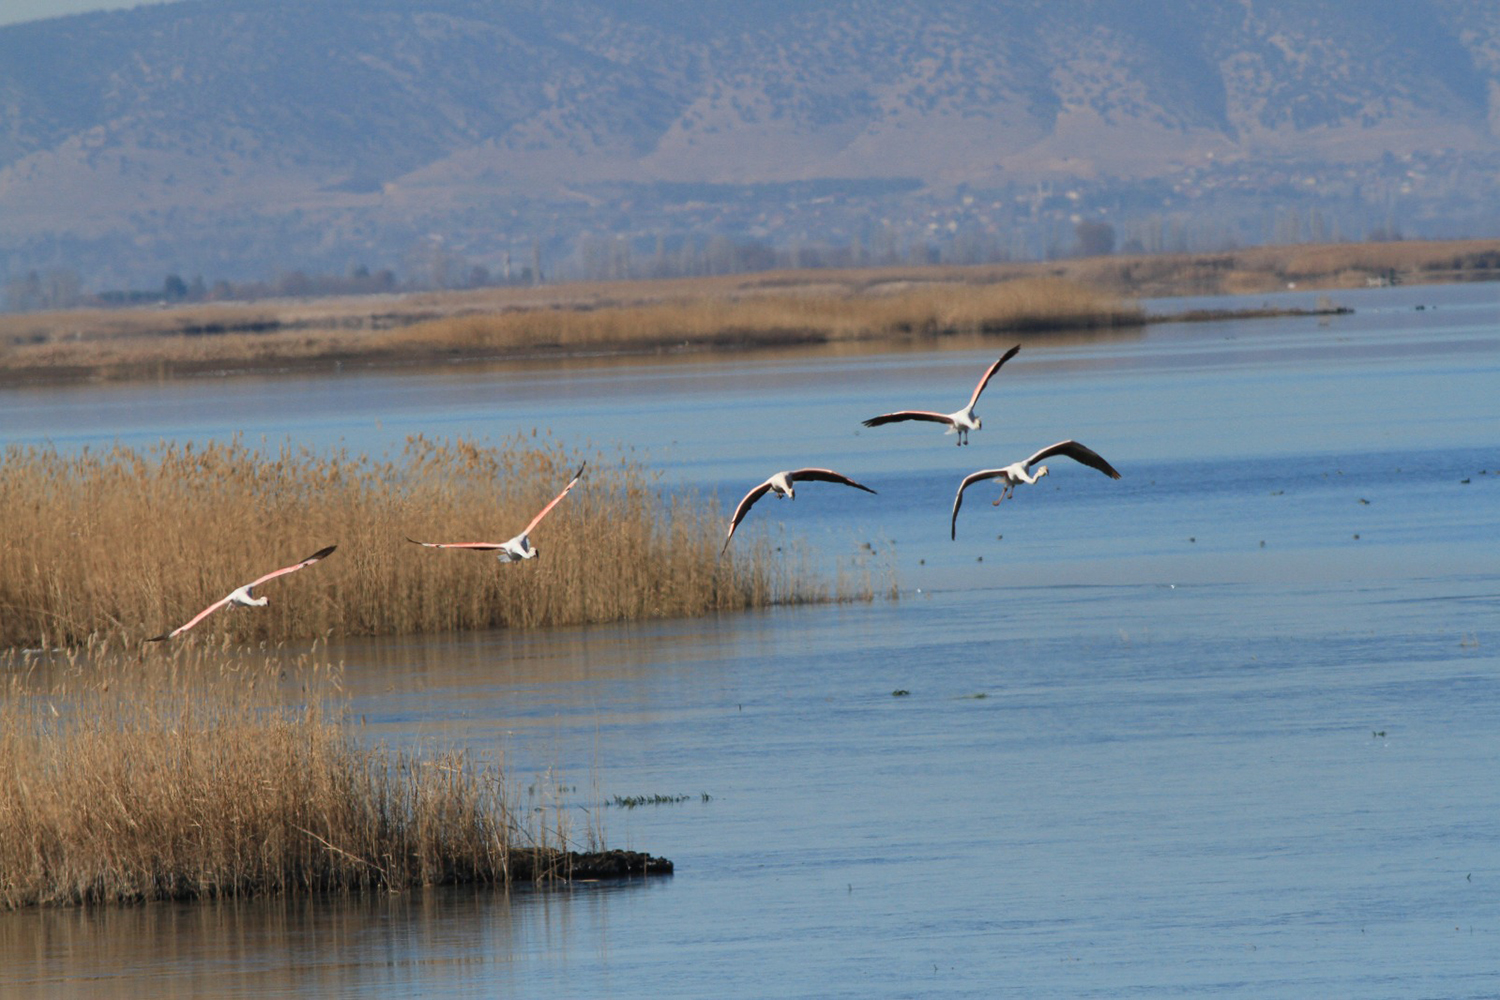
point(1228, 726)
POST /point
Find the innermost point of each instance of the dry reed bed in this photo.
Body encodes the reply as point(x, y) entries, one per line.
point(181, 777)
point(1028, 305)
point(730, 311)
point(594, 322)
point(129, 544)
point(118, 341)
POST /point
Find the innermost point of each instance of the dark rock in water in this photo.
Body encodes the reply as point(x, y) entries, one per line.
point(618, 864)
point(582, 866)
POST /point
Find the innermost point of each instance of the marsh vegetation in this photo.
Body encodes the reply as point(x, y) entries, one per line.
point(197, 774)
point(126, 544)
point(699, 314)
point(650, 317)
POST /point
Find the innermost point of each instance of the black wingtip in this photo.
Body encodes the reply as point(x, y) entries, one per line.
point(1011, 353)
point(160, 638)
point(320, 554)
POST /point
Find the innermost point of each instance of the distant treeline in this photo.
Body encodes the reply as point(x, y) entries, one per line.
point(61, 288)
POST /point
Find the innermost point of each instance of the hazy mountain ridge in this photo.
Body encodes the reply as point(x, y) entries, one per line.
point(381, 117)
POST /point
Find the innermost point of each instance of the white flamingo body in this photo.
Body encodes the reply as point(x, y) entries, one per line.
point(515, 549)
point(242, 595)
point(783, 486)
point(1020, 472)
point(959, 422)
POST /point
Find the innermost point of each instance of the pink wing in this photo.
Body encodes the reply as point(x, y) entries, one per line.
point(320, 554)
point(215, 606)
point(743, 509)
point(991, 374)
point(555, 500)
point(480, 546)
point(958, 499)
point(891, 418)
point(825, 476)
point(1078, 453)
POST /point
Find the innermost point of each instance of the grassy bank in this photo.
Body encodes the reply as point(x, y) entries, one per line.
point(648, 318)
point(730, 312)
point(185, 777)
point(769, 319)
point(129, 544)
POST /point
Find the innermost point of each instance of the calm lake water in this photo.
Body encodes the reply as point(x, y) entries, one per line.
point(1228, 726)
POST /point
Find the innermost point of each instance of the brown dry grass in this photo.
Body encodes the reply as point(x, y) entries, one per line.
point(183, 777)
point(651, 316)
point(732, 311)
point(130, 544)
point(1035, 304)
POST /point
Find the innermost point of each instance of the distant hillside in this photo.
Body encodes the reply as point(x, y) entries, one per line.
point(435, 136)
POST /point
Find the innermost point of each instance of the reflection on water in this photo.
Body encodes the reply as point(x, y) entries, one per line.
point(439, 941)
point(1226, 726)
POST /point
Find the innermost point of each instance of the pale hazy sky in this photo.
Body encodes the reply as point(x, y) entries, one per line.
point(12, 11)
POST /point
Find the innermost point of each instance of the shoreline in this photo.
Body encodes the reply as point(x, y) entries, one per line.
point(706, 316)
point(745, 341)
point(1262, 312)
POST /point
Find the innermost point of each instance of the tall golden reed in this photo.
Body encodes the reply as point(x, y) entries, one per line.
point(183, 776)
point(130, 544)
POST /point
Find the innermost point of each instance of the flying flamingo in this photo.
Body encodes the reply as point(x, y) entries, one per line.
point(242, 595)
point(782, 485)
point(960, 422)
point(517, 548)
point(1019, 472)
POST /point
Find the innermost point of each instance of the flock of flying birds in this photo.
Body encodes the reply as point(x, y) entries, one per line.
point(959, 422)
point(782, 485)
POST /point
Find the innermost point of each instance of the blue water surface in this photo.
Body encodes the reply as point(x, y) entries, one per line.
point(1228, 726)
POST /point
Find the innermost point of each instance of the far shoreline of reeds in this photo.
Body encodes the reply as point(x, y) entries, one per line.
point(688, 323)
point(705, 316)
point(201, 775)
